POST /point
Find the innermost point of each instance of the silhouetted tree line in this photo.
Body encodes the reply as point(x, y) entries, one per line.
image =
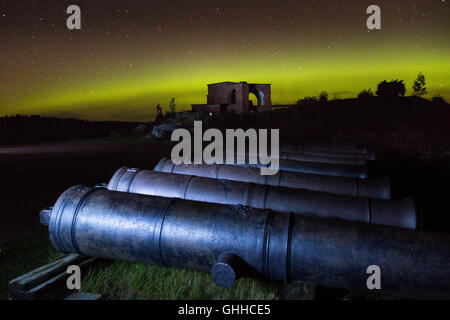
point(385, 89)
point(35, 129)
point(396, 88)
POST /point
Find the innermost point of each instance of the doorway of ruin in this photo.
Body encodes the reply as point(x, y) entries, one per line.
point(253, 102)
point(233, 97)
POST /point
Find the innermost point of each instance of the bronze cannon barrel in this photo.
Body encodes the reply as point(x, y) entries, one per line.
point(366, 188)
point(400, 213)
point(233, 241)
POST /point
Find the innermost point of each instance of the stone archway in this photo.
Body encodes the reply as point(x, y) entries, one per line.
point(259, 95)
point(253, 101)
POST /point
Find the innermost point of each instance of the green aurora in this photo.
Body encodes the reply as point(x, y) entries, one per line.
point(120, 75)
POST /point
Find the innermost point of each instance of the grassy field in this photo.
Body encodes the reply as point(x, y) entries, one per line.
point(125, 281)
point(18, 257)
point(119, 280)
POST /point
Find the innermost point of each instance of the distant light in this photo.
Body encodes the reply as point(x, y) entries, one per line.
point(210, 114)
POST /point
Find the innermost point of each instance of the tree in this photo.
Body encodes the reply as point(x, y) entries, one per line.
point(171, 113)
point(393, 88)
point(323, 97)
point(159, 114)
point(419, 88)
point(366, 93)
point(172, 105)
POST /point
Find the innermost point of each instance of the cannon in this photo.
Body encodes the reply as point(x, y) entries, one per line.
point(234, 241)
point(400, 213)
point(328, 169)
point(329, 150)
point(303, 163)
point(366, 188)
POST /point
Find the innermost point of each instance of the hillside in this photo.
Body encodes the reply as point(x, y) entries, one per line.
point(36, 129)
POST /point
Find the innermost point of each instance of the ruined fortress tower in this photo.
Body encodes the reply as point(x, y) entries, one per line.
point(236, 97)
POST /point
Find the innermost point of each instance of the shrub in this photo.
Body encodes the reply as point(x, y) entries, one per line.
point(437, 98)
point(307, 101)
point(366, 93)
point(323, 97)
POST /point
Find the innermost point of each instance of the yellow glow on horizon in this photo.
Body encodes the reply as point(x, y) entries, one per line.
point(292, 77)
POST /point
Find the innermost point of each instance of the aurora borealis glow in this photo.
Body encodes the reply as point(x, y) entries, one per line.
point(131, 55)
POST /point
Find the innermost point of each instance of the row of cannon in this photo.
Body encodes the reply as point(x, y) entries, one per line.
point(321, 219)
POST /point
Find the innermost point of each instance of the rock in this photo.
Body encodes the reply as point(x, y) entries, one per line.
point(163, 130)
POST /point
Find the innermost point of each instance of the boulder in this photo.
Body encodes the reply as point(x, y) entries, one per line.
point(163, 130)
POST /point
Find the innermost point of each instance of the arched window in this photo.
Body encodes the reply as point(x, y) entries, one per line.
point(233, 97)
point(261, 98)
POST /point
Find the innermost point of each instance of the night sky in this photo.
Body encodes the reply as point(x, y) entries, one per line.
point(131, 55)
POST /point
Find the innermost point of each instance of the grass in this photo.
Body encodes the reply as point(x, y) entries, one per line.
point(124, 281)
point(120, 280)
point(18, 257)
